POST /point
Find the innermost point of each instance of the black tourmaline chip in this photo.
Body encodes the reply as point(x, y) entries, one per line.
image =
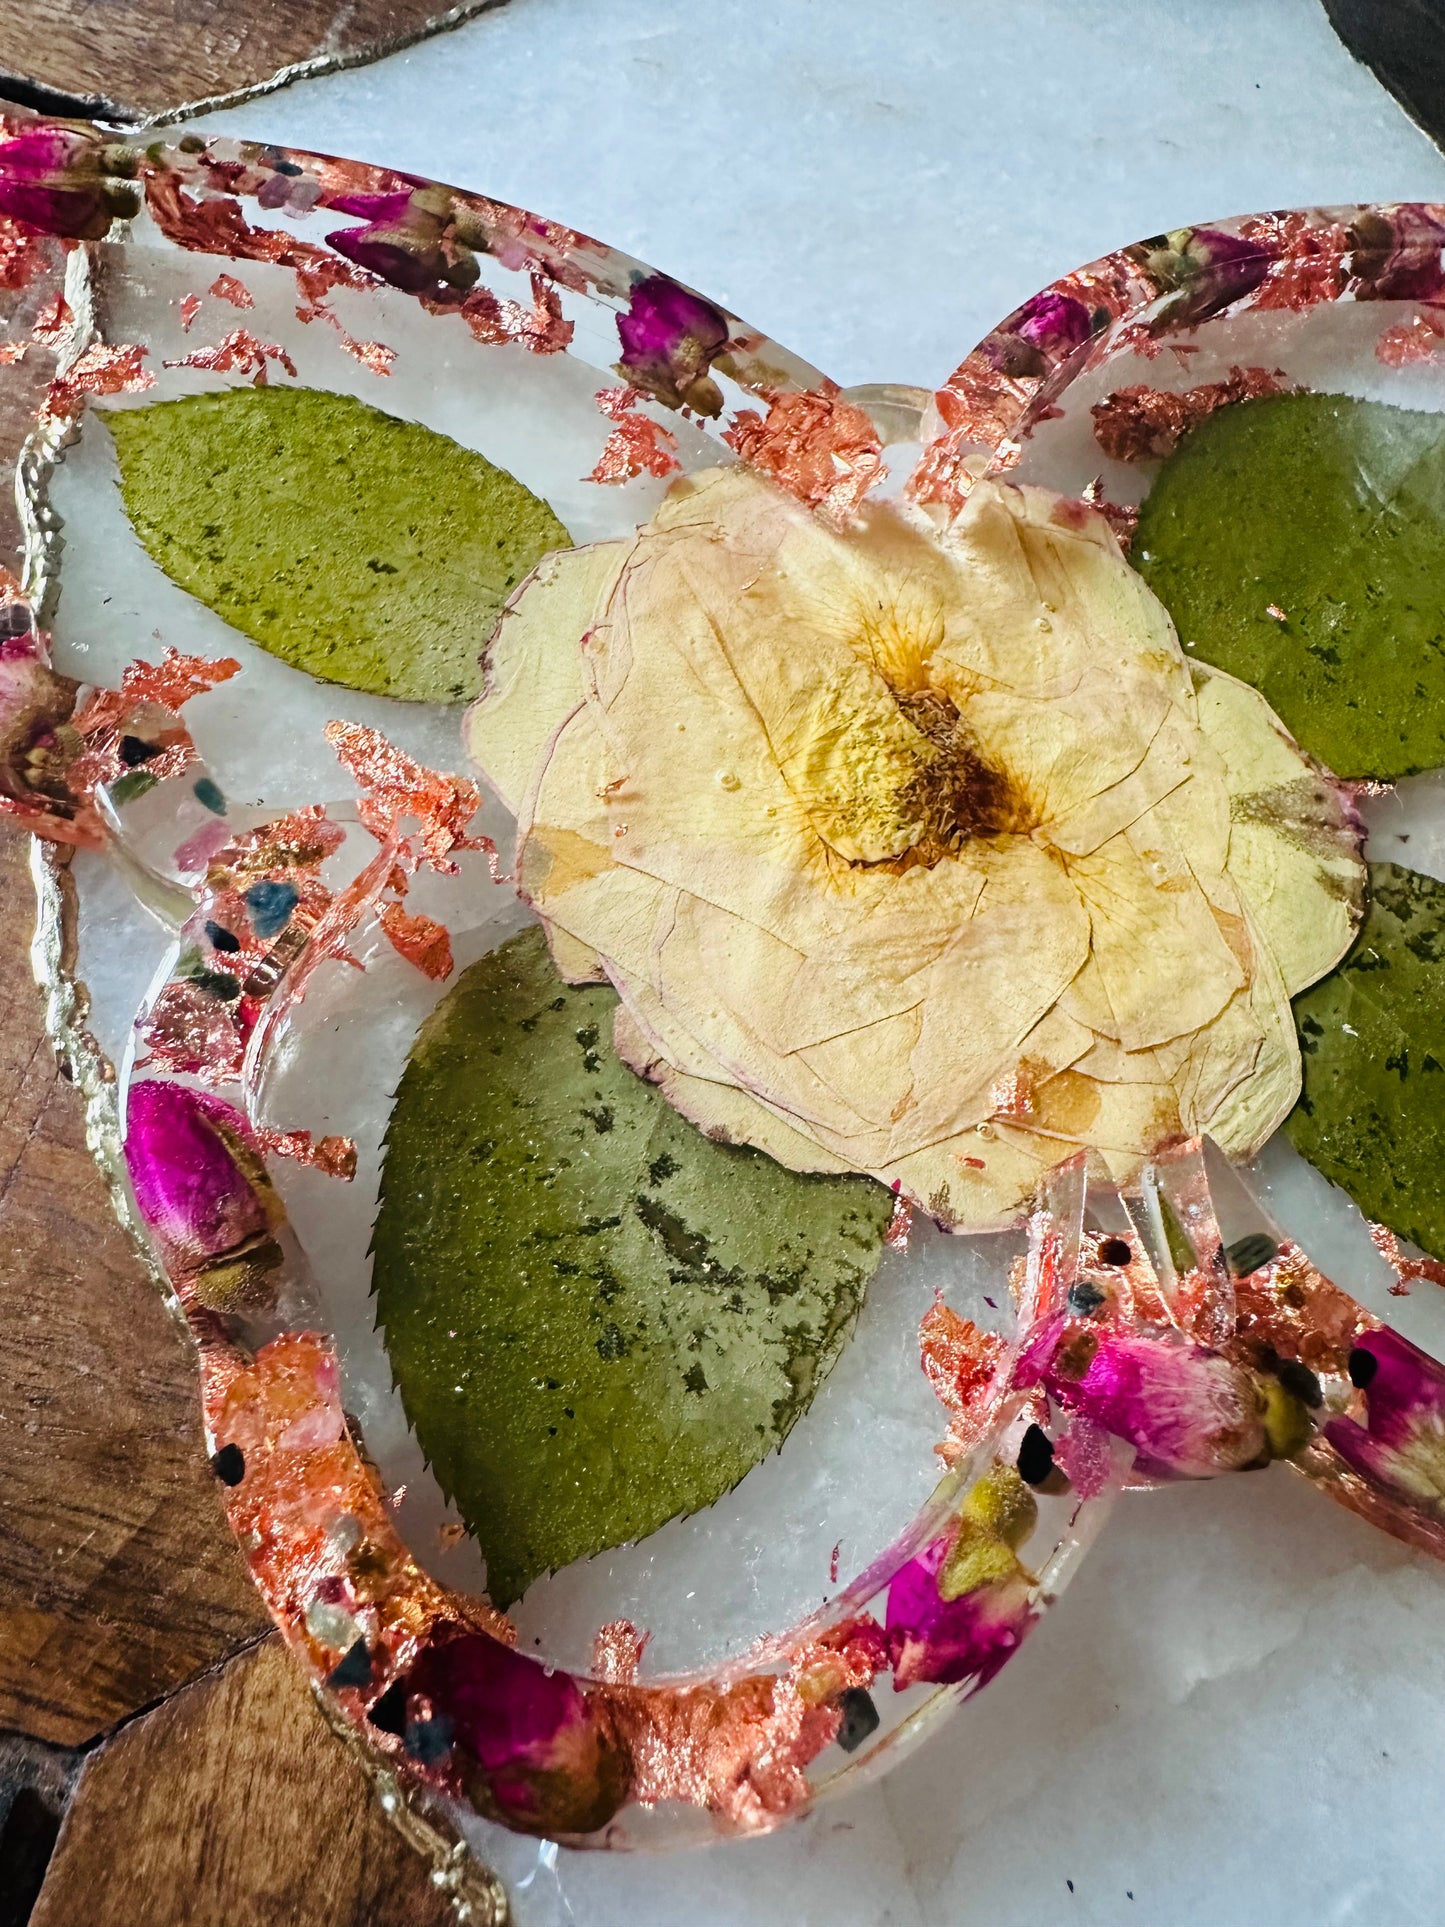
point(860, 1718)
point(229, 1464)
point(220, 938)
point(134, 749)
point(1300, 1380)
point(1086, 1298)
point(1036, 1456)
point(1362, 1367)
point(354, 1669)
point(1115, 1251)
point(388, 1714)
point(1249, 1254)
point(429, 1741)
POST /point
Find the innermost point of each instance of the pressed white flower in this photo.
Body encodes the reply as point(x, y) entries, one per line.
point(923, 855)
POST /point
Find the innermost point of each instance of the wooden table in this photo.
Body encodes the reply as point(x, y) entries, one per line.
point(161, 1759)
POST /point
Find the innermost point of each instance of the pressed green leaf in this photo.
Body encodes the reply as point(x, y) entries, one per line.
point(1372, 1035)
point(1332, 511)
point(362, 549)
point(597, 1318)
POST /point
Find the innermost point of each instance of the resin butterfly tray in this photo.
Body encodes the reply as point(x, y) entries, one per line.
point(700, 1158)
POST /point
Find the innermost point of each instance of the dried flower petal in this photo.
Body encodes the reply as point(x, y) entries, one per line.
point(848, 815)
point(945, 1641)
point(1401, 1446)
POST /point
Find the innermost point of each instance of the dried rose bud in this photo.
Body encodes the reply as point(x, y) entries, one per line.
point(405, 239)
point(1206, 268)
point(35, 741)
point(1188, 1412)
point(61, 180)
point(202, 1189)
point(531, 1752)
point(670, 338)
point(1397, 256)
point(942, 1635)
point(1402, 1442)
point(1056, 323)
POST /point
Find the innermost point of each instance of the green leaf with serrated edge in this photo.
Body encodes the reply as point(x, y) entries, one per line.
point(365, 550)
point(1332, 511)
point(1372, 1035)
point(597, 1318)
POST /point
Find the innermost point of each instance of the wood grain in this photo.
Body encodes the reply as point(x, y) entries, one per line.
point(135, 59)
point(232, 1803)
point(118, 1578)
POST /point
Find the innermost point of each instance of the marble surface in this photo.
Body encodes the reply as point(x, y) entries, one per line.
point(1235, 1716)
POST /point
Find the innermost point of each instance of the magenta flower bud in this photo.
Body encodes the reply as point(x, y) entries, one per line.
point(60, 180)
point(35, 705)
point(1056, 323)
point(670, 338)
point(402, 241)
point(1189, 1413)
point(1396, 256)
point(529, 1747)
point(1401, 1445)
point(945, 1641)
point(203, 1192)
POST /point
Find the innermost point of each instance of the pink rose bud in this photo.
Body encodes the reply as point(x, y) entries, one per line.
point(202, 1190)
point(528, 1745)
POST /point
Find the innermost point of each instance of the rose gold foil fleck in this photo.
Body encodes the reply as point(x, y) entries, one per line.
point(300, 841)
point(241, 352)
point(1139, 424)
point(175, 679)
point(1420, 339)
point(23, 253)
point(1312, 264)
point(396, 789)
point(900, 1225)
point(226, 287)
point(637, 445)
point(819, 447)
point(617, 1652)
point(963, 1365)
point(303, 1475)
point(493, 320)
point(190, 307)
point(98, 371)
point(1408, 1271)
point(1273, 609)
point(979, 408)
point(1123, 518)
point(193, 1034)
point(335, 1157)
point(1291, 1310)
point(374, 355)
point(420, 939)
point(53, 324)
point(216, 225)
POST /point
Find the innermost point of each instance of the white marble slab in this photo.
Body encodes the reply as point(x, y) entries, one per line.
point(1235, 1719)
